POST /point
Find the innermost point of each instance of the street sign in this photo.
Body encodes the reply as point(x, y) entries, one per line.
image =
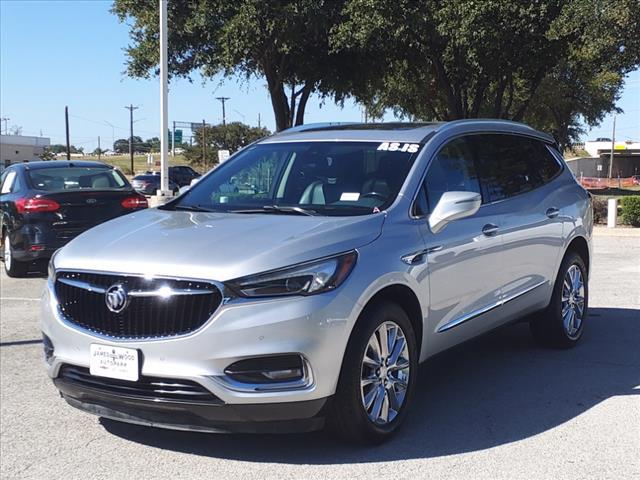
point(178, 136)
point(223, 155)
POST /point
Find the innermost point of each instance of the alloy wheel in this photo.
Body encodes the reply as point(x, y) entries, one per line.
point(385, 373)
point(573, 301)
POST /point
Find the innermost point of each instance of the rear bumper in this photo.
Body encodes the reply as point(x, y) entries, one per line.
point(44, 239)
point(213, 417)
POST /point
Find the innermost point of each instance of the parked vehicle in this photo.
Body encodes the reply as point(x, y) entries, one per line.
point(149, 184)
point(182, 175)
point(300, 283)
point(45, 204)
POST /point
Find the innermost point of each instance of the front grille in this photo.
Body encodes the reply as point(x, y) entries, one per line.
point(150, 388)
point(155, 307)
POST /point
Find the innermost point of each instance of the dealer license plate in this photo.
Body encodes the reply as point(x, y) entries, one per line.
point(114, 362)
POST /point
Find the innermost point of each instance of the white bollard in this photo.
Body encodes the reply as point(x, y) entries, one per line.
point(612, 212)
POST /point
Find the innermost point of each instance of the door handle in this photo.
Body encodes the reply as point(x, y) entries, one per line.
point(552, 212)
point(490, 229)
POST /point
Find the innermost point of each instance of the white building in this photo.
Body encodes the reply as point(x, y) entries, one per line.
point(597, 148)
point(21, 148)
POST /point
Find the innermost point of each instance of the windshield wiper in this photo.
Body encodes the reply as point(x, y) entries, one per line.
point(278, 209)
point(192, 208)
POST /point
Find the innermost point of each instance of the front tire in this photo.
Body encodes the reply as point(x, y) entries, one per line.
point(561, 324)
point(378, 376)
point(13, 267)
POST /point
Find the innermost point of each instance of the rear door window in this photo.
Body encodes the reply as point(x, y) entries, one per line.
point(504, 165)
point(545, 163)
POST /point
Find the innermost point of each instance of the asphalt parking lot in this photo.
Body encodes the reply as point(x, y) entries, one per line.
point(498, 407)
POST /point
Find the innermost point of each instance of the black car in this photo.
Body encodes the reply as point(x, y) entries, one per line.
point(149, 183)
point(182, 174)
point(43, 205)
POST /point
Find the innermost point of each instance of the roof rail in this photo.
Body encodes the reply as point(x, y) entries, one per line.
point(315, 126)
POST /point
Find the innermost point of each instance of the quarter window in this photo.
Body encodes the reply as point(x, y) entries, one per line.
point(451, 170)
point(8, 182)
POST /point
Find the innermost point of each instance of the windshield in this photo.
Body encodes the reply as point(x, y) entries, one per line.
point(323, 178)
point(77, 178)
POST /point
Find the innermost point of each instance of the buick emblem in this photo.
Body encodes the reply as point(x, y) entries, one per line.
point(116, 298)
point(91, 201)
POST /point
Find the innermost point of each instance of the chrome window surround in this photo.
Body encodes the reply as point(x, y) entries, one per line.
point(483, 132)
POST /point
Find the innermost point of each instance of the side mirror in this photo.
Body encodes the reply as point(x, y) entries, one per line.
point(187, 187)
point(453, 206)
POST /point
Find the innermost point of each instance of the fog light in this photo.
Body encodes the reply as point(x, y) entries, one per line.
point(265, 370)
point(47, 345)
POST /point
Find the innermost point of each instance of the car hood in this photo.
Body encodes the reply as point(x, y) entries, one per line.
point(215, 246)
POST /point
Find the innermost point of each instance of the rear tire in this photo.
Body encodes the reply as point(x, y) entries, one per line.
point(383, 378)
point(561, 324)
point(13, 267)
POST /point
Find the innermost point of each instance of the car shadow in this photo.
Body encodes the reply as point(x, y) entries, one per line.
point(497, 389)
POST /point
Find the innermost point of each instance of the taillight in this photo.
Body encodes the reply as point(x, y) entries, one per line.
point(32, 205)
point(134, 202)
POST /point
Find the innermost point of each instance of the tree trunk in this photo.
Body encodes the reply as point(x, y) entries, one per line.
point(453, 101)
point(302, 104)
point(279, 101)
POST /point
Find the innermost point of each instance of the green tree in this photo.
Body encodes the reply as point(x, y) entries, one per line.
point(59, 148)
point(122, 144)
point(232, 136)
point(47, 154)
point(153, 144)
point(286, 42)
point(553, 63)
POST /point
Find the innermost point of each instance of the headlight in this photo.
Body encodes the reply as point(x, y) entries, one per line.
point(304, 279)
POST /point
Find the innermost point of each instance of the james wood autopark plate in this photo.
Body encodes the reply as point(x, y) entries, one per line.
point(114, 362)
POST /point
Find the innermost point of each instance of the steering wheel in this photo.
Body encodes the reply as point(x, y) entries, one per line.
point(377, 195)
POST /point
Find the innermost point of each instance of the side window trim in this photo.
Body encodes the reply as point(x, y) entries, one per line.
point(485, 201)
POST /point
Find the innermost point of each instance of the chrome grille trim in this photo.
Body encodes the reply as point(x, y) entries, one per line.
point(158, 307)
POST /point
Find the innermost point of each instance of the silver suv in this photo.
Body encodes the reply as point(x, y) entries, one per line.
point(300, 283)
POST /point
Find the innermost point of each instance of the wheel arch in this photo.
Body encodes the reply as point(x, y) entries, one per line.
point(405, 298)
point(580, 246)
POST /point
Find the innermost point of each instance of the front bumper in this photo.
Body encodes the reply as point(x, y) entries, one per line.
point(287, 417)
point(316, 327)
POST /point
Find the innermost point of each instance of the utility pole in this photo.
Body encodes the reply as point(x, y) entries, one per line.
point(66, 124)
point(173, 140)
point(204, 144)
point(99, 150)
point(164, 103)
point(131, 108)
point(613, 146)
point(6, 124)
point(222, 100)
point(259, 121)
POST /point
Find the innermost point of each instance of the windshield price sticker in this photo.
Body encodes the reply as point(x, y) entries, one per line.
point(399, 147)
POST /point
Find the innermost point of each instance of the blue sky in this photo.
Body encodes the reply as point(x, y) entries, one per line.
point(55, 53)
